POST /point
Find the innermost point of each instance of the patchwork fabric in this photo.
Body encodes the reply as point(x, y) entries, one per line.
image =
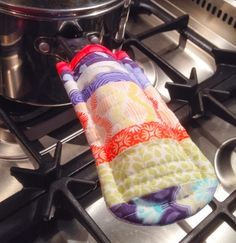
point(151, 172)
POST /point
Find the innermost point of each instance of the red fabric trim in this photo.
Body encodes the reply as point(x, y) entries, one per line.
point(87, 50)
point(61, 67)
point(121, 55)
point(134, 135)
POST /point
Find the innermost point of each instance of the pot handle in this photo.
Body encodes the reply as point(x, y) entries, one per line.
point(63, 49)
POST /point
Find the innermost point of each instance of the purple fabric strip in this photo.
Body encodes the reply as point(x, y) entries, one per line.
point(101, 79)
point(137, 72)
point(127, 60)
point(91, 59)
point(157, 208)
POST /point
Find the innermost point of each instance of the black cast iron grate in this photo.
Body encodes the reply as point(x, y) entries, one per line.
point(202, 98)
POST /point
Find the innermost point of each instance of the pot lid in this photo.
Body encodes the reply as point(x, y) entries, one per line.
point(57, 9)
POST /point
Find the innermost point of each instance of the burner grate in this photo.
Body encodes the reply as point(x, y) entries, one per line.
point(201, 99)
point(222, 212)
point(49, 178)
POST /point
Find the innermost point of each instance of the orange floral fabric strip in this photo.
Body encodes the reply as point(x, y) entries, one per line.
point(133, 135)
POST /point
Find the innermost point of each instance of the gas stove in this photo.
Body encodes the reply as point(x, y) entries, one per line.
point(49, 186)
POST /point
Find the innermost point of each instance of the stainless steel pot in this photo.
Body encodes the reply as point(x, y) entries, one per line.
point(34, 35)
point(58, 9)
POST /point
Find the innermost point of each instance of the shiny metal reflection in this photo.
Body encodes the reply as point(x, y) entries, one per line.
point(11, 39)
point(221, 194)
point(225, 164)
point(13, 84)
point(121, 232)
point(9, 185)
point(206, 20)
point(57, 9)
point(11, 155)
point(123, 21)
point(149, 69)
point(218, 237)
point(10, 150)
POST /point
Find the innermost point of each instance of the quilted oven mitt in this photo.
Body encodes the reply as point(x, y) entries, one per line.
point(151, 173)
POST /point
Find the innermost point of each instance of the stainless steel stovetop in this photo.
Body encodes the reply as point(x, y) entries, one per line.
point(208, 133)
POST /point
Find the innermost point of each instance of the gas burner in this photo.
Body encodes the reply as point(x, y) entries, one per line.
point(148, 66)
point(10, 150)
point(149, 69)
point(226, 172)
